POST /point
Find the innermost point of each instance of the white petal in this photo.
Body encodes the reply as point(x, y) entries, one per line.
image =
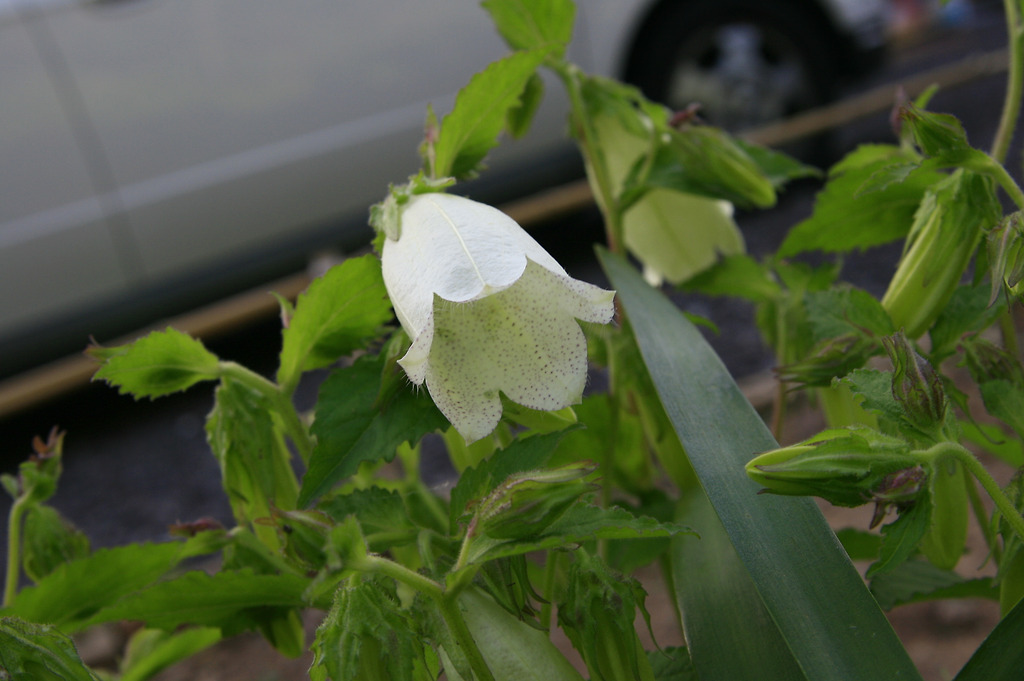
point(523, 341)
point(456, 248)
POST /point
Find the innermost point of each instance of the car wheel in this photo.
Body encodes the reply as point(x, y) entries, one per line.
point(744, 62)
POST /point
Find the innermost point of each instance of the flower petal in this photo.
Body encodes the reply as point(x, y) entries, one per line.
point(523, 341)
point(455, 248)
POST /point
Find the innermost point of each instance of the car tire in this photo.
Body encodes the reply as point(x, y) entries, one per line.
point(745, 62)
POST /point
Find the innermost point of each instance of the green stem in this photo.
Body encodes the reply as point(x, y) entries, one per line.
point(1014, 83)
point(400, 573)
point(602, 185)
point(13, 549)
point(981, 515)
point(975, 468)
point(449, 608)
point(445, 601)
point(550, 575)
point(282, 404)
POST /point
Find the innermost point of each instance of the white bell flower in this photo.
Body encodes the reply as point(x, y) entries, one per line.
point(489, 311)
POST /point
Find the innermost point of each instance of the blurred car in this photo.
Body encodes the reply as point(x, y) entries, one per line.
point(159, 153)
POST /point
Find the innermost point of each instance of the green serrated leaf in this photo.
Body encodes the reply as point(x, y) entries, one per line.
point(231, 600)
point(901, 537)
point(522, 455)
point(255, 462)
point(968, 310)
point(355, 422)
point(532, 24)
point(846, 309)
point(39, 652)
point(337, 314)
point(161, 363)
point(918, 580)
point(580, 523)
point(481, 113)
point(376, 509)
point(846, 218)
point(737, 275)
point(74, 591)
point(50, 541)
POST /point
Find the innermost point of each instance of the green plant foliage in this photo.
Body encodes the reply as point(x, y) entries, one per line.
point(338, 314)
point(39, 652)
point(159, 364)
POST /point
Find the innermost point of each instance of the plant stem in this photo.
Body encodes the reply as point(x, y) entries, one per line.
point(293, 425)
point(975, 468)
point(463, 638)
point(13, 550)
point(1014, 83)
point(400, 573)
point(550, 575)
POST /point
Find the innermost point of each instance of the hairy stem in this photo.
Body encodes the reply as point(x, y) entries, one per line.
point(13, 550)
point(1014, 83)
point(981, 474)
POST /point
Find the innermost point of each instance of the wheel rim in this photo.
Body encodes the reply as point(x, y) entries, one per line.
point(742, 75)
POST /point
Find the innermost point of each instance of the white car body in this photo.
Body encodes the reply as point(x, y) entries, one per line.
point(154, 147)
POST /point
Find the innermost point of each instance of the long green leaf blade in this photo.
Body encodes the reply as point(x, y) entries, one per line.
point(808, 585)
point(1000, 656)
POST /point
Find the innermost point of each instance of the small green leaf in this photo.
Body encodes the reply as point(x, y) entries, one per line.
point(737, 275)
point(532, 24)
point(150, 651)
point(672, 664)
point(357, 421)
point(969, 310)
point(481, 113)
point(846, 309)
point(255, 463)
point(580, 523)
point(376, 509)
point(233, 601)
point(159, 364)
point(901, 537)
point(50, 541)
point(336, 315)
point(522, 455)
point(39, 652)
point(917, 580)
point(845, 219)
point(74, 591)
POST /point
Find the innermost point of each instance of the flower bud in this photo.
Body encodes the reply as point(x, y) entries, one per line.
point(528, 502)
point(916, 386)
point(846, 467)
point(489, 311)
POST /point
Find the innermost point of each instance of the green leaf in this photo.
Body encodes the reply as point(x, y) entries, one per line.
point(232, 601)
point(846, 309)
point(917, 580)
point(779, 168)
point(481, 112)
point(968, 310)
point(255, 463)
point(811, 591)
point(737, 275)
point(844, 219)
point(522, 455)
point(721, 609)
point(150, 651)
point(339, 312)
point(356, 421)
point(859, 544)
point(1000, 657)
point(39, 652)
point(875, 390)
point(532, 24)
point(1005, 401)
point(50, 541)
point(582, 522)
point(75, 591)
point(901, 537)
point(376, 509)
point(158, 364)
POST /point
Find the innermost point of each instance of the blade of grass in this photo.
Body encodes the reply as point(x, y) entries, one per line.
point(825, 614)
point(1000, 657)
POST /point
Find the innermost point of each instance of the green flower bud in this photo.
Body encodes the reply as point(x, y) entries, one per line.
point(846, 467)
point(528, 502)
point(1006, 255)
point(916, 386)
point(934, 133)
point(947, 227)
point(833, 357)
